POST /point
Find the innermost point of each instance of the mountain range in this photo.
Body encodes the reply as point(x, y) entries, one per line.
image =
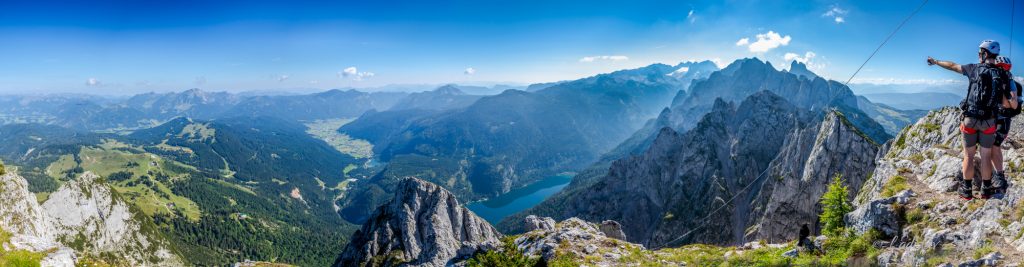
point(752, 178)
point(657, 154)
point(515, 138)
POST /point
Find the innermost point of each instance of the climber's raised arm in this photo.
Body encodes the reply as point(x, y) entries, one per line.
point(949, 65)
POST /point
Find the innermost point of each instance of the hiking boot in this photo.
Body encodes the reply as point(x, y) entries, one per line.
point(965, 189)
point(987, 190)
point(999, 182)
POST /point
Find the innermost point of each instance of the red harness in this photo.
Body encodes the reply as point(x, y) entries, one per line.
point(964, 129)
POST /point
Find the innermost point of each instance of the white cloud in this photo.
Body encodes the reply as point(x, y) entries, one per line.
point(350, 71)
point(611, 58)
point(806, 58)
point(838, 14)
point(314, 82)
point(743, 42)
point(469, 71)
point(354, 73)
point(92, 82)
point(201, 80)
point(767, 41)
point(718, 62)
point(691, 17)
point(282, 78)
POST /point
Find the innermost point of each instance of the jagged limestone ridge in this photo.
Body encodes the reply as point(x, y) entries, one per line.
point(802, 172)
point(910, 199)
point(424, 225)
point(91, 217)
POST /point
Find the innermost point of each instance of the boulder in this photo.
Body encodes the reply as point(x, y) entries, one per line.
point(878, 214)
point(612, 229)
point(533, 222)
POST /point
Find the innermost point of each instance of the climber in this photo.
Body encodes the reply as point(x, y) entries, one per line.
point(1009, 109)
point(987, 88)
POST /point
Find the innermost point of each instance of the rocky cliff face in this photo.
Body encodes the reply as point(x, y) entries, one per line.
point(89, 216)
point(809, 160)
point(423, 225)
point(754, 171)
point(662, 193)
point(83, 217)
point(911, 200)
point(29, 226)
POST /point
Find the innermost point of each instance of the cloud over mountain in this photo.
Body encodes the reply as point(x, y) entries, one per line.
point(765, 42)
point(353, 72)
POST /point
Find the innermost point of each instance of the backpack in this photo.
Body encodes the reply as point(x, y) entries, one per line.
point(1010, 113)
point(982, 101)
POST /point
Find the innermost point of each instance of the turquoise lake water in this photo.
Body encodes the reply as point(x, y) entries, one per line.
point(495, 209)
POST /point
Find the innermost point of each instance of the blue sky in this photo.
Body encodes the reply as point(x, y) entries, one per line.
point(119, 47)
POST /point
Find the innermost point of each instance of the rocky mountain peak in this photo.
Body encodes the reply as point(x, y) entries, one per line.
point(193, 92)
point(810, 159)
point(745, 64)
point(800, 69)
point(449, 89)
point(423, 225)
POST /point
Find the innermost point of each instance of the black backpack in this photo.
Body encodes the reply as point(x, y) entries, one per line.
point(983, 94)
point(1010, 113)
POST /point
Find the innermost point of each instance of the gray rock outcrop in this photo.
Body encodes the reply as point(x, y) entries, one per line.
point(878, 214)
point(424, 225)
point(933, 224)
point(612, 229)
point(86, 207)
point(83, 218)
point(29, 227)
point(533, 222)
point(576, 238)
point(807, 163)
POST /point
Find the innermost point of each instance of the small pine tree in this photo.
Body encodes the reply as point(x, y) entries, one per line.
point(835, 206)
point(508, 256)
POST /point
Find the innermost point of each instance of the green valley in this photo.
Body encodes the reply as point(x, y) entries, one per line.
point(327, 130)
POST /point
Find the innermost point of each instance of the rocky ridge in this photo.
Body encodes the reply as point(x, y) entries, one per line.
point(906, 205)
point(910, 199)
point(29, 227)
point(809, 160)
point(423, 225)
point(906, 213)
point(83, 219)
point(772, 158)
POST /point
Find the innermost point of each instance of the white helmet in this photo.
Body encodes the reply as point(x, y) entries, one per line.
point(1004, 62)
point(990, 46)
